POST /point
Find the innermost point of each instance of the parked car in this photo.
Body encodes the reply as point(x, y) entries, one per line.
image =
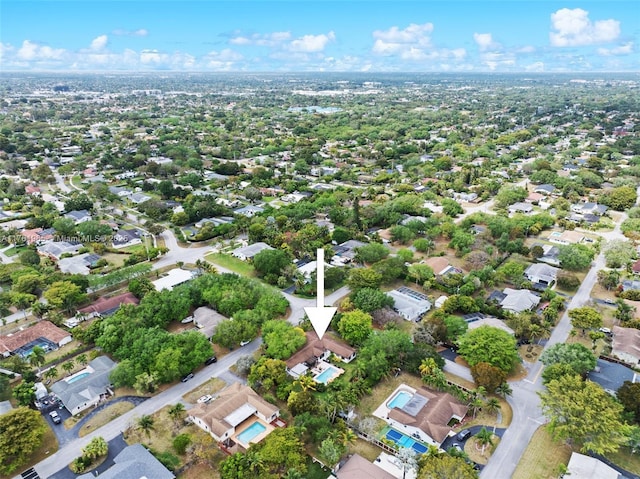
point(244, 343)
point(211, 360)
point(457, 447)
point(205, 399)
point(462, 435)
point(187, 377)
point(55, 417)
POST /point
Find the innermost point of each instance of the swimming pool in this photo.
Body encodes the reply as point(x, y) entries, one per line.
point(325, 375)
point(400, 399)
point(73, 379)
point(251, 432)
point(403, 440)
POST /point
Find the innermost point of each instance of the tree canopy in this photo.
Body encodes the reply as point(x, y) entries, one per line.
point(576, 355)
point(489, 345)
point(22, 432)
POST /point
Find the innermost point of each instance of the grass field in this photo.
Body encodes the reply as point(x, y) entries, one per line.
point(229, 262)
point(542, 458)
point(626, 460)
point(108, 414)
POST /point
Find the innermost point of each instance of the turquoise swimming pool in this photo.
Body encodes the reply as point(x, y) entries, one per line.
point(402, 440)
point(399, 400)
point(78, 377)
point(325, 375)
point(251, 432)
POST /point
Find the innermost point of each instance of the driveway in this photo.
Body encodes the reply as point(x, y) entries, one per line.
point(116, 445)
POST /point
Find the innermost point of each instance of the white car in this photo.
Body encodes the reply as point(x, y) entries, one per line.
point(55, 417)
point(205, 399)
point(244, 343)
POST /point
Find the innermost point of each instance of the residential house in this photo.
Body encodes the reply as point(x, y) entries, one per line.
point(236, 408)
point(120, 192)
point(519, 300)
point(587, 467)
point(521, 207)
point(133, 462)
point(611, 376)
point(173, 278)
point(249, 211)
point(541, 274)
point(534, 198)
point(316, 350)
point(357, 467)
point(105, 306)
point(206, 320)
point(566, 237)
point(246, 253)
point(38, 235)
point(410, 304)
point(589, 208)
point(32, 190)
point(466, 197)
point(126, 237)
point(55, 249)
point(629, 284)
point(215, 221)
point(489, 321)
point(550, 255)
point(138, 198)
point(85, 388)
point(80, 264)
point(626, 345)
point(429, 413)
point(78, 216)
point(544, 189)
point(44, 334)
point(345, 252)
point(440, 266)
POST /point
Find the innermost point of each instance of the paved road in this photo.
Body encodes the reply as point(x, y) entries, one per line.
point(525, 402)
point(173, 395)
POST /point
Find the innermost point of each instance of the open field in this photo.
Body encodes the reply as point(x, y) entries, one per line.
point(229, 262)
point(542, 458)
point(212, 386)
point(106, 415)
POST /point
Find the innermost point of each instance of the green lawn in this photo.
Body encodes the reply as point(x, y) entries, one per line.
point(542, 458)
point(229, 262)
point(15, 250)
point(626, 460)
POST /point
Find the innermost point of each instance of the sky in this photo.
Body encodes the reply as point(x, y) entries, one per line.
point(320, 35)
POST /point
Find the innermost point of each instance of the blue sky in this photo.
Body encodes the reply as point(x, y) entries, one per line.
point(329, 35)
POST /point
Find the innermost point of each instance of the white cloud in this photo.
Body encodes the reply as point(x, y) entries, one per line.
point(485, 41)
point(574, 28)
point(262, 39)
point(535, 67)
point(311, 43)
point(141, 32)
point(625, 49)
point(396, 41)
point(99, 43)
point(31, 51)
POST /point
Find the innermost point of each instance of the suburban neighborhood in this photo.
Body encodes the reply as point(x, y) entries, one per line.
point(160, 243)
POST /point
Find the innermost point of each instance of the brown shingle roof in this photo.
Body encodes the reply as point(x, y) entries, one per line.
point(434, 416)
point(357, 467)
point(437, 263)
point(107, 304)
point(43, 329)
point(315, 347)
point(626, 340)
point(229, 400)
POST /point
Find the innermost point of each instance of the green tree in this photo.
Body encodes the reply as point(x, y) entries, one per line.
point(444, 466)
point(575, 257)
point(229, 333)
point(371, 253)
point(484, 437)
point(575, 355)
point(281, 339)
point(22, 433)
point(67, 366)
point(271, 262)
point(146, 424)
point(37, 356)
point(629, 396)
point(489, 345)
point(364, 278)
point(281, 451)
point(25, 393)
point(64, 295)
point(618, 253)
point(583, 412)
point(331, 451)
point(97, 447)
point(176, 413)
point(267, 374)
point(432, 374)
point(488, 376)
point(620, 199)
point(584, 318)
point(355, 327)
point(370, 299)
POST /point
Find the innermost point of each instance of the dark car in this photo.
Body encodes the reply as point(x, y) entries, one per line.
point(211, 360)
point(187, 377)
point(462, 435)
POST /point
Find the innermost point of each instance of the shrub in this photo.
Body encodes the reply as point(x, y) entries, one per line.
point(181, 442)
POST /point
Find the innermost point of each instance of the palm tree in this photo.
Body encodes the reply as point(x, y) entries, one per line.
point(492, 406)
point(175, 412)
point(39, 309)
point(82, 359)
point(504, 390)
point(475, 406)
point(51, 373)
point(37, 357)
point(306, 383)
point(145, 424)
point(68, 366)
point(484, 437)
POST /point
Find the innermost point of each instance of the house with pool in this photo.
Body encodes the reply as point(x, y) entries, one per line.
point(313, 358)
point(87, 387)
point(417, 418)
point(236, 418)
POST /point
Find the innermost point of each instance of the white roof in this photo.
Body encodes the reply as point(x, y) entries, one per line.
point(173, 278)
point(240, 414)
point(586, 467)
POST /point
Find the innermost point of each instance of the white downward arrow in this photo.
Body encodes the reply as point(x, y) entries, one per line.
point(320, 316)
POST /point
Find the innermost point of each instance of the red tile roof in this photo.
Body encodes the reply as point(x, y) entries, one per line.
point(43, 329)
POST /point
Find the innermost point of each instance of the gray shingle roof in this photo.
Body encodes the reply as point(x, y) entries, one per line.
point(134, 462)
